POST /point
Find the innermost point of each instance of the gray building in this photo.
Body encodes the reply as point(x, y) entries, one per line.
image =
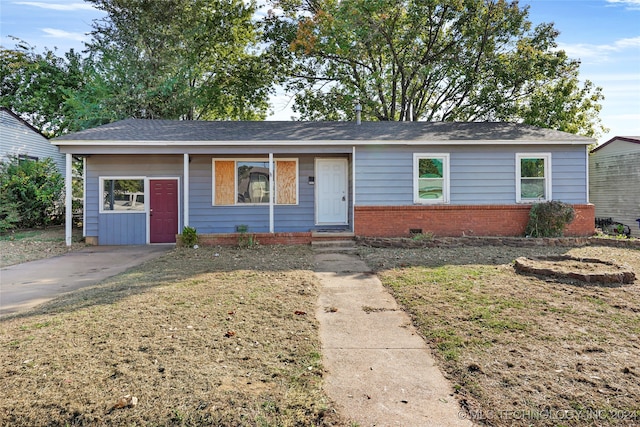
point(614, 181)
point(19, 138)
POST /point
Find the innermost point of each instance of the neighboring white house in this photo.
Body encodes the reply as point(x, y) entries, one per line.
point(19, 138)
point(614, 181)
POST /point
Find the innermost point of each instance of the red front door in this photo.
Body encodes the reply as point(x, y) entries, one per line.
point(163, 215)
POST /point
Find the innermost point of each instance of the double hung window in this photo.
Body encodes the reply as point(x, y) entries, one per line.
point(533, 177)
point(431, 178)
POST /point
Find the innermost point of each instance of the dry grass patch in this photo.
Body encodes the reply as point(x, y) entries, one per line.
point(213, 336)
point(523, 350)
point(29, 245)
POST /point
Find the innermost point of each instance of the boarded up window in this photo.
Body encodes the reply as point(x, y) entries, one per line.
point(225, 182)
point(286, 182)
point(247, 181)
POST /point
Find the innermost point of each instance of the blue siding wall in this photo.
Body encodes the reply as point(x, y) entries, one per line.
point(223, 219)
point(479, 175)
point(123, 228)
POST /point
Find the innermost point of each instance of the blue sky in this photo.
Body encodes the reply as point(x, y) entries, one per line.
point(603, 34)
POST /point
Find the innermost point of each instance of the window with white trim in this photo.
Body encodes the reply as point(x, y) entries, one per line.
point(246, 181)
point(122, 195)
point(533, 177)
point(431, 178)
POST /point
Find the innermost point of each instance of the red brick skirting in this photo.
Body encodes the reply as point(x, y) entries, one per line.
point(459, 220)
point(233, 239)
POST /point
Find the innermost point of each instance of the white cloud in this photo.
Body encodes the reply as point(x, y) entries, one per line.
point(57, 6)
point(599, 52)
point(630, 4)
point(62, 34)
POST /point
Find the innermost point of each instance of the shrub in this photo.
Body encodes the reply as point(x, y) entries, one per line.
point(189, 236)
point(9, 216)
point(549, 219)
point(35, 188)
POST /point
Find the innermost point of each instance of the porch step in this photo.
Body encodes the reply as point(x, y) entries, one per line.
point(333, 246)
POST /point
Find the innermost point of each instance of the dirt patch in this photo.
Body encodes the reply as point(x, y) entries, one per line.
point(524, 350)
point(213, 336)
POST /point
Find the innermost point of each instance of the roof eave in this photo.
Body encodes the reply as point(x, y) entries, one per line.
point(280, 143)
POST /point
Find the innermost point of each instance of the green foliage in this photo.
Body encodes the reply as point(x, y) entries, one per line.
point(170, 59)
point(173, 59)
point(438, 60)
point(245, 239)
point(189, 236)
point(35, 85)
point(549, 219)
point(423, 237)
point(9, 215)
point(35, 188)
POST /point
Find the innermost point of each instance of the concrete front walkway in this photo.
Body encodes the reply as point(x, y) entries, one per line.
point(23, 286)
point(379, 370)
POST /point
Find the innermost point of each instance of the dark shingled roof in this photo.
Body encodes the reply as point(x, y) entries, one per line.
point(632, 139)
point(140, 130)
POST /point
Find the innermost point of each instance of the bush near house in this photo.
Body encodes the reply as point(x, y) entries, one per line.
point(549, 219)
point(31, 193)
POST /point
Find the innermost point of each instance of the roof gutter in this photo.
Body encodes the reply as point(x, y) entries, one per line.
point(280, 143)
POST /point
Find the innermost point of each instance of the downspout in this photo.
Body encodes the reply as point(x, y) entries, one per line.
point(185, 198)
point(271, 194)
point(68, 181)
point(587, 173)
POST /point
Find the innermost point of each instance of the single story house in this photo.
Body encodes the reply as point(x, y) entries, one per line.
point(147, 179)
point(19, 138)
point(614, 183)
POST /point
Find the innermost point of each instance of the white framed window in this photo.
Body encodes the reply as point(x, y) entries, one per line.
point(246, 182)
point(431, 178)
point(533, 177)
point(123, 195)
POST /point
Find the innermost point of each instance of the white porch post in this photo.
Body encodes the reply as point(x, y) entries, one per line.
point(271, 194)
point(185, 202)
point(68, 181)
point(353, 189)
point(84, 196)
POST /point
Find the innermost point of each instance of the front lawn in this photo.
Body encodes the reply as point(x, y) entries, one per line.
point(524, 350)
point(213, 336)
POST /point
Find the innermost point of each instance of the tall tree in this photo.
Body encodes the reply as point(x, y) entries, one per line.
point(35, 85)
point(174, 59)
point(462, 60)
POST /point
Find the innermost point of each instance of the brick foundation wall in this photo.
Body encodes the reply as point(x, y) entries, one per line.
point(232, 239)
point(459, 220)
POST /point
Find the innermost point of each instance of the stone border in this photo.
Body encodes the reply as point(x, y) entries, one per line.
point(623, 275)
point(453, 242)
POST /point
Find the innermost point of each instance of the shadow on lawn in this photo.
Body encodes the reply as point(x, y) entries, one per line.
point(177, 266)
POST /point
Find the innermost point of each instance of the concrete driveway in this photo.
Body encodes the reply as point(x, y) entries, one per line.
point(26, 285)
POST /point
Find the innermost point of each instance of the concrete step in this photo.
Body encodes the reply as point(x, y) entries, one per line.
point(334, 246)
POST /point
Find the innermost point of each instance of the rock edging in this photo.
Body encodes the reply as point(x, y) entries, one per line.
point(552, 266)
point(452, 242)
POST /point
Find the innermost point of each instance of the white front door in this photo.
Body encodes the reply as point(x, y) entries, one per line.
point(332, 196)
